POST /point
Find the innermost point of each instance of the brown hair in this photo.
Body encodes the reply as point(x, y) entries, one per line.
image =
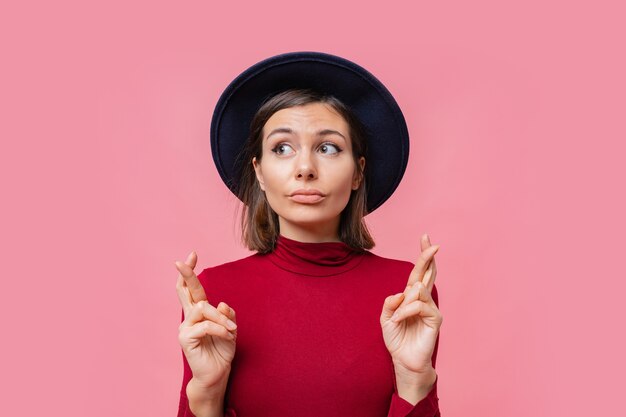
point(259, 222)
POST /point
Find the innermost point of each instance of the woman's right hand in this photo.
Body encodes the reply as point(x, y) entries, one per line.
point(207, 334)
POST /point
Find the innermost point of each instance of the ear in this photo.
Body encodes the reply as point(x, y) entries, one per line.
point(259, 174)
point(356, 182)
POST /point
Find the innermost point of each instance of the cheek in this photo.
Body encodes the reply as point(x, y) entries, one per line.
point(342, 178)
point(274, 179)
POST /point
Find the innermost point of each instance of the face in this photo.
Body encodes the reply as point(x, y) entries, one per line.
point(307, 148)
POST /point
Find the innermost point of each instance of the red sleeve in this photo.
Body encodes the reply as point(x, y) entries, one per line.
point(429, 405)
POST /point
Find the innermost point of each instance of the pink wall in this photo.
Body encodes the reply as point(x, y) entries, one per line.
point(516, 116)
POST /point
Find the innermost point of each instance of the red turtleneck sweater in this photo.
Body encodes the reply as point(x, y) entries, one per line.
point(309, 340)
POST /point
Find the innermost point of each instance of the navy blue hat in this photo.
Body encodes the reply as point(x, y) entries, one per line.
point(369, 99)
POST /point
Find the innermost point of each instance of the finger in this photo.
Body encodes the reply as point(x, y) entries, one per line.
point(390, 305)
point(183, 295)
point(425, 245)
point(413, 309)
point(420, 267)
point(204, 328)
point(212, 313)
point(192, 281)
point(421, 264)
point(432, 263)
point(417, 273)
point(419, 292)
point(203, 311)
point(193, 316)
point(192, 259)
point(429, 276)
point(425, 242)
point(227, 311)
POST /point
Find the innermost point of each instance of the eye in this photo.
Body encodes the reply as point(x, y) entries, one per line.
point(330, 145)
point(278, 149)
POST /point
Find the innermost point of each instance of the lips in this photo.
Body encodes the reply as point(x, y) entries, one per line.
point(307, 199)
point(309, 191)
point(307, 196)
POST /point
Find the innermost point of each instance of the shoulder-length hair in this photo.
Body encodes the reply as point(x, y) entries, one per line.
point(259, 222)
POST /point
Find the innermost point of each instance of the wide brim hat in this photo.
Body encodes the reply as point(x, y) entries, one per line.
point(372, 103)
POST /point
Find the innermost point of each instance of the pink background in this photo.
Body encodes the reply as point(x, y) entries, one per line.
point(516, 117)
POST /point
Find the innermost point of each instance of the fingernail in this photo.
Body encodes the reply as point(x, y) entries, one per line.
point(231, 325)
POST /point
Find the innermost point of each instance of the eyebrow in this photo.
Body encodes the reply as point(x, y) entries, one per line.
point(323, 132)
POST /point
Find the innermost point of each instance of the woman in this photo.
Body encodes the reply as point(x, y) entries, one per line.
point(327, 327)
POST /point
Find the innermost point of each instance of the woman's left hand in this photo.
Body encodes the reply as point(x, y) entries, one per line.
point(411, 320)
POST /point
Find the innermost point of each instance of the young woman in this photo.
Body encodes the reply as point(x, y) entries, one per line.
point(313, 323)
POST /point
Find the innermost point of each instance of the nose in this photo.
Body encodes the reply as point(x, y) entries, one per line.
point(306, 167)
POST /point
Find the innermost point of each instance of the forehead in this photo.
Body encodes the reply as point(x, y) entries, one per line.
point(310, 114)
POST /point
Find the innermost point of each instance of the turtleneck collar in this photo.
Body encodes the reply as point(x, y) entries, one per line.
point(314, 258)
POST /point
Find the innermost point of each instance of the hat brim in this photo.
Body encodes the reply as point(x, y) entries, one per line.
point(369, 99)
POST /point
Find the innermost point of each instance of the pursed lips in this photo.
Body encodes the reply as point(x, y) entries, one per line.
point(307, 196)
point(307, 192)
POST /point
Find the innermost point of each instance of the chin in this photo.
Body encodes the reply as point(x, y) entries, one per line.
point(305, 219)
point(308, 216)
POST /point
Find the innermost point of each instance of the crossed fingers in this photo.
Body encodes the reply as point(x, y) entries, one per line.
point(417, 300)
point(424, 272)
point(188, 286)
point(425, 269)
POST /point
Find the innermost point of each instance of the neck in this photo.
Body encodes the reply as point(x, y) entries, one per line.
point(314, 258)
point(310, 232)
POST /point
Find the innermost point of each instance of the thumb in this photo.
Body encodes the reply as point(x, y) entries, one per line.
point(391, 304)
